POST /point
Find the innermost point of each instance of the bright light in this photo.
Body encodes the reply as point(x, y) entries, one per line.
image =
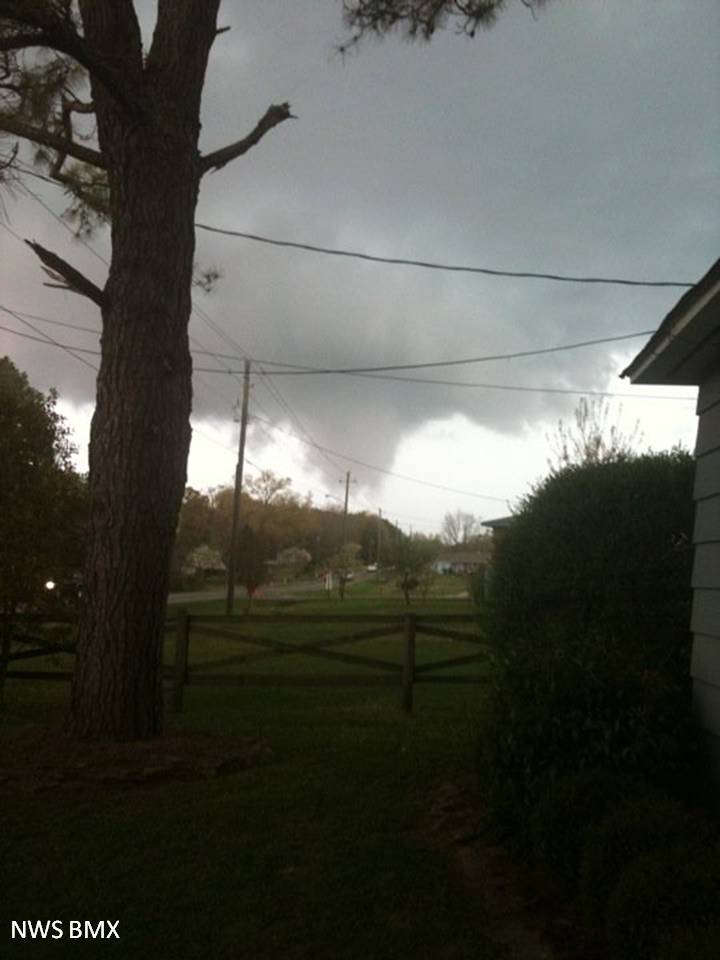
point(50, 585)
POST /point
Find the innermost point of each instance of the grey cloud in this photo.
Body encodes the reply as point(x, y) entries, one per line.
point(585, 141)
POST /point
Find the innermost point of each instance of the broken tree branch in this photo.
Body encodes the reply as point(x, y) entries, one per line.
point(70, 278)
point(271, 118)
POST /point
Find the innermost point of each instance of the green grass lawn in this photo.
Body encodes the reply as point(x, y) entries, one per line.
point(443, 585)
point(316, 855)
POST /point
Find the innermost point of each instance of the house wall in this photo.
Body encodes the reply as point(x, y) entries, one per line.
point(706, 569)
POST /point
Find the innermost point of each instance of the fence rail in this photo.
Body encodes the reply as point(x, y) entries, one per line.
point(185, 672)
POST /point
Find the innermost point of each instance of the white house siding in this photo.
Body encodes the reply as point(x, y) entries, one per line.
point(706, 568)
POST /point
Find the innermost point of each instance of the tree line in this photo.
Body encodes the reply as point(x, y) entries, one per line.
point(44, 515)
point(279, 527)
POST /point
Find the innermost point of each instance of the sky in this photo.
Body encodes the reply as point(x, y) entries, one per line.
point(582, 141)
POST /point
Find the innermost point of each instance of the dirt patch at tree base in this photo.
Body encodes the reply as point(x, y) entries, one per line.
point(37, 758)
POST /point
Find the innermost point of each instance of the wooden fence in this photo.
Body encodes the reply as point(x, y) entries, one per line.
point(30, 633)
point(189, 671)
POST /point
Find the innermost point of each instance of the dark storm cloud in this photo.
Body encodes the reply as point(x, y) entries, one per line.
point(585, 141)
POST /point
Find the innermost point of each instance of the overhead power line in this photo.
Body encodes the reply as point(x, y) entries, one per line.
point(55, 323)
point(304, 370)
point(298, 369)
point(44, 338)
point(272, 389)
point(516, 388)
point(429, 265)
point(513, 388)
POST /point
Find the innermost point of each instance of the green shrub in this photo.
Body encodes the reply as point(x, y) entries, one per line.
point(638, 826)
point(661, 897)
point(603, 549)
point(568, 809)
point(553, 712)
point(588, 622)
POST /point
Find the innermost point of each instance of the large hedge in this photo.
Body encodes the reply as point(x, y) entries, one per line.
point(589, 624)
point(602, 549)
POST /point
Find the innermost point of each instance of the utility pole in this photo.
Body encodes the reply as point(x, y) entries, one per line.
point(345, 511)
point(342, 575)
point(379, 538)
point(238, 490)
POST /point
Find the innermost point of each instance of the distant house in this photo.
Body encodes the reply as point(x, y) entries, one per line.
point(460, 561)
point(685, 350)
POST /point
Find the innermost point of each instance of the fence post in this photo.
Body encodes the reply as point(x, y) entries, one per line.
point(5, 644)
point(408, 668)
point(182, 641)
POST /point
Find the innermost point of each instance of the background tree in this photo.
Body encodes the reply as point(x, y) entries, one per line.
point(592, 438)
point(251, 562)
point(43, 502)
point(204, 560)
point(292, 562)
point(412, 558)
point(272, 509)
point(344, 563)
point(68, 69)
point(267, 487)
point(196, 528)
point(42, 499)
point(460, 529)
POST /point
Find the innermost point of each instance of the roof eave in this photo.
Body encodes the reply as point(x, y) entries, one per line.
point(687, 341)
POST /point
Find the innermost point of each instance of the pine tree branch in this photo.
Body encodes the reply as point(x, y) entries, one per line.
point(40, 23)
point(71, 279)
point(271, 118)
point(52, 140)
point(68, 108)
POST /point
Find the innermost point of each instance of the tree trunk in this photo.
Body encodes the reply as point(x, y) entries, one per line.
point(140, 432)
point(139, 444)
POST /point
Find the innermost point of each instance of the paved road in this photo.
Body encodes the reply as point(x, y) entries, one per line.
point(276, 591)
point(192, 595)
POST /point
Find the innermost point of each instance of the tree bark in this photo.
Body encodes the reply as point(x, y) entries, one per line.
point(139, 444)
point(140, 433)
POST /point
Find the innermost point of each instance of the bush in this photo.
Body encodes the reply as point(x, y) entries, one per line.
point(554, 712)
point(661, 897)
point(568, 809)
point(589, 626)
point(638, 826)
point(603, 550)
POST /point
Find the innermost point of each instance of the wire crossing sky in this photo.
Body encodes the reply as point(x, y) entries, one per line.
point(429, 265)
